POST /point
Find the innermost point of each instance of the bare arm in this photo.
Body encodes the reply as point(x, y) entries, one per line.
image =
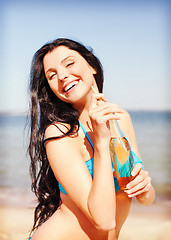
point(102, 193)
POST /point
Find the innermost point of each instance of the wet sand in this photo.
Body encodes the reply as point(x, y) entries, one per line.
point(149, 223)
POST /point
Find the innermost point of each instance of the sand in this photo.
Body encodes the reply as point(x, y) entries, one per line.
point(148, 222)
point(143, 223)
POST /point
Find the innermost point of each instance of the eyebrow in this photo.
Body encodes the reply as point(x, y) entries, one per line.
point(66, 59)
point(52, 69)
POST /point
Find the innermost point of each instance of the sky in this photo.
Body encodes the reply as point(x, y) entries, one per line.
point(131, 38)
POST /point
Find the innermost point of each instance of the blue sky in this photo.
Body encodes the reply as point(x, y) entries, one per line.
point(130, 38)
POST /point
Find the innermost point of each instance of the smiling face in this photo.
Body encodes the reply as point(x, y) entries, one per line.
point(69, 75)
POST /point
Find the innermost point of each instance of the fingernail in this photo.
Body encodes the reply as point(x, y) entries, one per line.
point(127, 186)
point(133, 173)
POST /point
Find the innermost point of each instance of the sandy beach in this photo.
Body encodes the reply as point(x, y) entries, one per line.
point(143, 223)
point(148, 222)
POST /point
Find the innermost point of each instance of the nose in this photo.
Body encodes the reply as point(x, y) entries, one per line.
point(62, 74)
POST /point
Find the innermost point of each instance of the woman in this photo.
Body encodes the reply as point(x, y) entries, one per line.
point(71, 169)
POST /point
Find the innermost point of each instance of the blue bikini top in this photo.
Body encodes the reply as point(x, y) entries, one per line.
point(90, 163)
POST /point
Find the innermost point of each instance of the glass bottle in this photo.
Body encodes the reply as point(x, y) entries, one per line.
point(122, 158)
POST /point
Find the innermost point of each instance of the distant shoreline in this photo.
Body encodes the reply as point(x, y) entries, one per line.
point(25, 113)
point(23, 196)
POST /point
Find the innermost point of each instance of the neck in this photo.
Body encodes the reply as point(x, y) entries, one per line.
point(84, 116)
point(85, 119)
point(83, 108)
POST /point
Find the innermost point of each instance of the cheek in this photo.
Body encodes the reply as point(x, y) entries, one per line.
point(77, 70)
point(51, 85)
point(83, 71)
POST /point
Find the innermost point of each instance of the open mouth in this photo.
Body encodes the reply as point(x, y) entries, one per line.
point(70, 86)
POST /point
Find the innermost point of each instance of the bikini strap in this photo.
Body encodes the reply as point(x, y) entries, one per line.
point(87, 135)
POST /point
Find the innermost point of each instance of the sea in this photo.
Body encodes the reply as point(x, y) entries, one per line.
point(153, 133)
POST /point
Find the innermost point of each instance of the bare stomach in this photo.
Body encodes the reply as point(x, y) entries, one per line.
point(69, 222)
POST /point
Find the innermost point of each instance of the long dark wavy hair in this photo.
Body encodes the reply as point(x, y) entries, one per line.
point(46, 109)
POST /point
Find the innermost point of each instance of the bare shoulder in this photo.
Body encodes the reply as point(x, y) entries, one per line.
point(56, 130)
point(57, 140)
point(126, 114)
point(125, 120)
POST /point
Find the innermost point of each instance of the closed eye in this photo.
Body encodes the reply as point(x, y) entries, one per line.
point(51, 76)
point(69, 64)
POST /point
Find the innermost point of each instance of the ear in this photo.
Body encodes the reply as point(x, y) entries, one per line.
point(93, 70)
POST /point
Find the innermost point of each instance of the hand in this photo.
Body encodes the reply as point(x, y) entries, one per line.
point(100, 112)
point(141, 184)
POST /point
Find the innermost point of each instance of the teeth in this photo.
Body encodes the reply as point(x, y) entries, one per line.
point(70, 85)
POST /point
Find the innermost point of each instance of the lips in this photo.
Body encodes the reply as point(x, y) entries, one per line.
point(70, 85)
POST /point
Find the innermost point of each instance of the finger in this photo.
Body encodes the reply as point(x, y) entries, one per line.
point(139, 186)
point(107, 107)
point(95, 98)
point(145, 189)
point(107, 110)
point(137, 169)
point(100, 118)
point(101, 111)
point(105, 118)
point(139, 178)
